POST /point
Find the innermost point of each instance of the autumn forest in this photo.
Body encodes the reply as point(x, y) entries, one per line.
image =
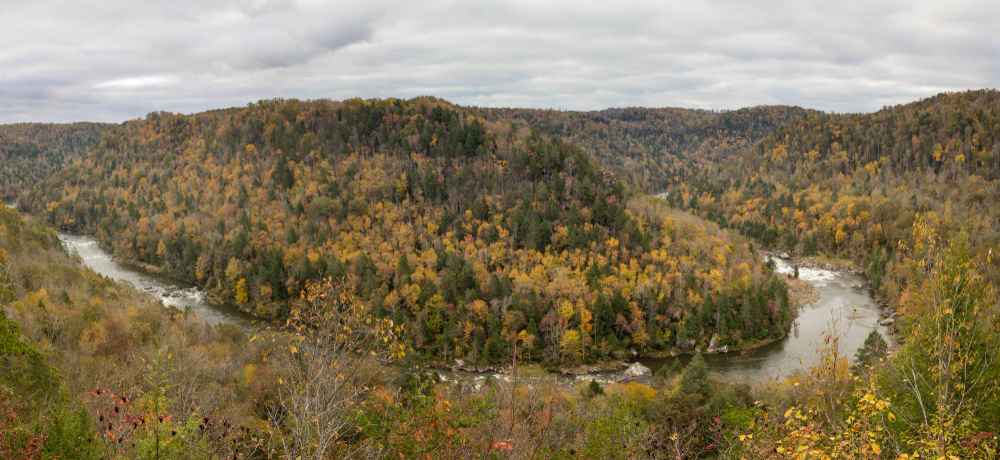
point(428, 279)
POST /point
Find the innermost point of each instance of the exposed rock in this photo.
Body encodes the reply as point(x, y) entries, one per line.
point(459, 364)
point(713, 346)
point(784, 256)
point(886, 321)
point(597, 368)
point(634, 372)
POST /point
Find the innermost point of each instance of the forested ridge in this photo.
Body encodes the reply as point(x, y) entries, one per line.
point(31, 152)
point(843, 186)
point(653, 148)
point(475, 233)
point(852, 186)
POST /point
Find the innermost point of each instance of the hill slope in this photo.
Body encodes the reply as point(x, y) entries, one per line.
point(653, 148)
point(854, 185)
point(477, 233)
point(845, 186)
point(31, 152)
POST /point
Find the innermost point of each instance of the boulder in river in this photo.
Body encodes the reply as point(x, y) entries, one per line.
point(784, 256)
point(634, 372)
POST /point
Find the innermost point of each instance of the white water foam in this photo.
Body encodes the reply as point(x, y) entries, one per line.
point(816, 276)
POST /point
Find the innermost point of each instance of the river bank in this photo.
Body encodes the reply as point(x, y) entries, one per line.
point(887, 314)
point(171, 293)
point(840, 296)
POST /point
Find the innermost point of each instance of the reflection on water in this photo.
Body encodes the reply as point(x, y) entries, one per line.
point(171, 293)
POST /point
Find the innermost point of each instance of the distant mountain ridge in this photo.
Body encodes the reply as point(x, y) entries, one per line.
point(653, 148)
point(30, 152)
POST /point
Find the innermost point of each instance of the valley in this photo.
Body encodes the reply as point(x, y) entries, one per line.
point(843, 298)
point(294, 260)
point(496, 230)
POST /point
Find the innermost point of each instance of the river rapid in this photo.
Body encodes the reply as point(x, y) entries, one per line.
point(171, 293)
point(844, 304)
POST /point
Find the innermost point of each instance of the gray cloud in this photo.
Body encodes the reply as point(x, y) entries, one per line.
point(113, 60)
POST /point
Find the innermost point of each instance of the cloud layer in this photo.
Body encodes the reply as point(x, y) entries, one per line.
point(113, 60)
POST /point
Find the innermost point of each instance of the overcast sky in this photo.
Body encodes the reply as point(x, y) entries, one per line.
point(65, 60)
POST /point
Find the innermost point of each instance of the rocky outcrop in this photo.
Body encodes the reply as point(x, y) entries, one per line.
point(887, 317)
point(634, 372)
point(713, 346)
point(685, 344)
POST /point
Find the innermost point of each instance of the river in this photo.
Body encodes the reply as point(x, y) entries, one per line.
point(843, 297)
point(172, 293)
point(844, 300)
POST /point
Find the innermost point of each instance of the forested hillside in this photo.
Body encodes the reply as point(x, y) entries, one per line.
point(31, 152)
point(90, 368)
point(463, 234)
point(853, 185)
point(844, 186)
point(653, 148)
point(477, 234)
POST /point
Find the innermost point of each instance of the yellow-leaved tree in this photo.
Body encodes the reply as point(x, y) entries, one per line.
point(335, 347)
point(949, 366)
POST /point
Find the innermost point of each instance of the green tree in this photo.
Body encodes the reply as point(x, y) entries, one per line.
point(694, 379)
point(872, 352)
